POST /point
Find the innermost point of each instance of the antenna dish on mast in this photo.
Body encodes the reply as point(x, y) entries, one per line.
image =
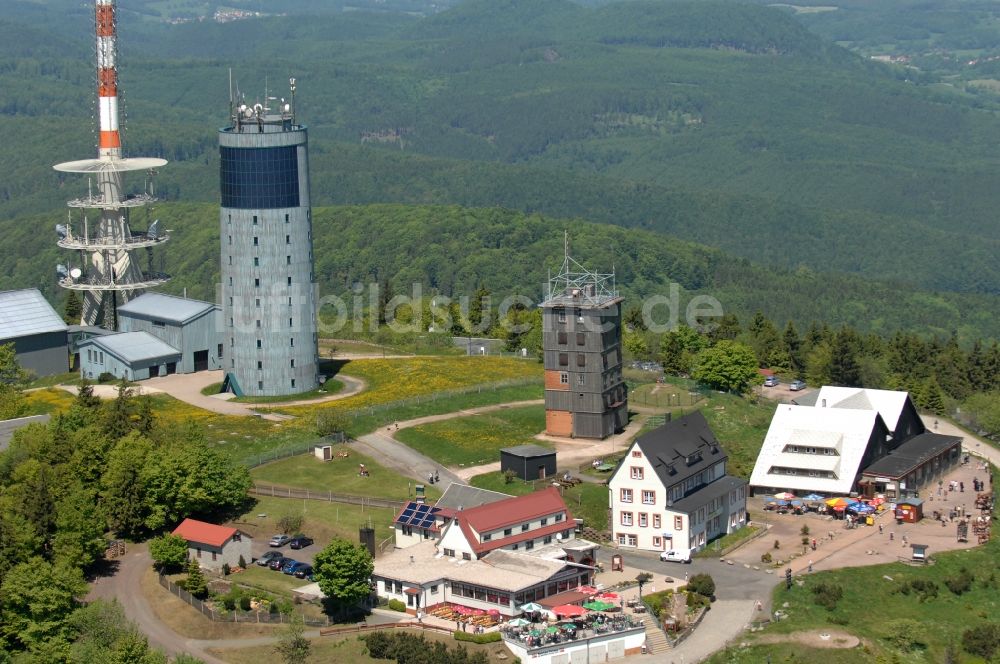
point(76, 273)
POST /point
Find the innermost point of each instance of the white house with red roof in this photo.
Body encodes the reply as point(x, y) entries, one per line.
point(214, 546)
point(493, 556)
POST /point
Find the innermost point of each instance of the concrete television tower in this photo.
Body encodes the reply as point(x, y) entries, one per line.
point(268, 299)
point(97, 227)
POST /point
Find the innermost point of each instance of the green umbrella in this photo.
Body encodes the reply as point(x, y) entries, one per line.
point(552, 630)
point(519, 622)
point(597, 605)
point(535, 632)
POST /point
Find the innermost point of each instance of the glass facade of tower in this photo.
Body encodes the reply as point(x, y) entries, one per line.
point(261, 178)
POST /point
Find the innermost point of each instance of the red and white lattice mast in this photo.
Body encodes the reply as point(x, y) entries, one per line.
point(107, 272)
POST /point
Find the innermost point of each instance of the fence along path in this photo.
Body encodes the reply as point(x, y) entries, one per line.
point(277, 491)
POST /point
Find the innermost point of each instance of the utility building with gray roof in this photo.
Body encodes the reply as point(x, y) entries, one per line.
point(29, 322)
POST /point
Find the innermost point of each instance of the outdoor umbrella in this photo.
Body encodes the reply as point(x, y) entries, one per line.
point(530, 607)
point(812, 496)
point(861, 508)
point(784, 495)
point(598, 605)
point(607, 596)
point(781, 502)
point(569, 610)
point(840, 502)
point(796, 503)
point(552, 630)
point(518, 622)
point(494, 612)
point(587, 590)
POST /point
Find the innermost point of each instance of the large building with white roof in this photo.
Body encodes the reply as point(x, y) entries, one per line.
point(29, 322)
point(825, 443)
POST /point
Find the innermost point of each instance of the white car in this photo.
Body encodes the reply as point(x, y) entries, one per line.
point(675, 556)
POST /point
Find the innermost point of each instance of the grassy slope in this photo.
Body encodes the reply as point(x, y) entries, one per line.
point(476, 439)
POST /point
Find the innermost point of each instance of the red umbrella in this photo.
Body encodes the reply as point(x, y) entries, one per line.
point(607, 596)
point(494, 612)
point(588, 590)
point(569, 610)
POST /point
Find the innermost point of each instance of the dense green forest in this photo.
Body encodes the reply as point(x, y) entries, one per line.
point(721, 123)
point(452, 250)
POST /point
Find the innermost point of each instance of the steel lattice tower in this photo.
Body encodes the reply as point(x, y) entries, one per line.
point(108, 273)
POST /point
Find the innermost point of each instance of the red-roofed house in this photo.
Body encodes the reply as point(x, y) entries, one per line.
point(213, 546)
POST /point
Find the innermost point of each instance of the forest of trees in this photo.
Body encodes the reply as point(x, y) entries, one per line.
point(94, 469)
point(729, 125)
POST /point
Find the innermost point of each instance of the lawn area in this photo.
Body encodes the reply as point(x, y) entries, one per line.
point(715, 546)
point(792, 652)
point(350, 649)
point(585, 501)
point(880, 605)
point(339, 475)
point(399, 379)
point(323, 521)
point(71, 377)
point(476, 439)
point(269, 580)
point(50, 400)
point(740, 425)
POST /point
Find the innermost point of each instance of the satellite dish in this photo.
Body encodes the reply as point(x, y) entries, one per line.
point(258, 108)
point(76, 273)
point(288, 107)
point(61, 270)
point(61, 230)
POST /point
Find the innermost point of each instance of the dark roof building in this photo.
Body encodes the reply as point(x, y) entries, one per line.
point(528, 462)
point(671, 491)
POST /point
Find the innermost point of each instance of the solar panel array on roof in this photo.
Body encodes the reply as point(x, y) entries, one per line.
point(417, 515)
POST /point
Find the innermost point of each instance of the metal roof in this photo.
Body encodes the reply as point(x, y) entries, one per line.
point(680, 449)
point(912, 454)
point(134, 346)
point(165, 307)
point(25, 312)
point(529, 451)
point(459, 496)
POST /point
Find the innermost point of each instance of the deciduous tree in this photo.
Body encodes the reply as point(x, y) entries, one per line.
point(343, 571)
point(168, 551)
point(729, 365)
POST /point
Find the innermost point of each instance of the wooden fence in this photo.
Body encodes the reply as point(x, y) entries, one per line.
point(277, 491)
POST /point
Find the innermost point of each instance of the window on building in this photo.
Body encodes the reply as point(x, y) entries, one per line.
point(255, 220)
point(258, 325)
point(259, 344)
point(230, 239)
point(256, 241)
point(564, 359)
point(230, 300)
point(293, 382)
point(292, 363)
point(288, 260)
point(530, 544)
point(626, 518)
point(230, 260)
point(633, 540)
point(648, 497)
point(288, 239)
point(581, 360)
point(544, 521)
point(581, 339)
point(230, 321)
point(621, 540)
point(643, 520)
point(450, 553)
point(524, 527)
point(559, 517)
point(159, 323)
point(260, 364)
point(260, 385)
point(256, 302)
point(626, 495)
point(507, 531)
point(657, 542)
point(581, 379)
point(561, 337)
point(635, 472)
point(487, 537)
point(434, 588)
point(656, 520)
point(286, 218)
point(229, 220)
point(678, 523)
point(214, 555)
point(290, 323)
point(563, 378)
point(561, 316)
point(256, 282)
point(291, 342)
point(289, 281)
point(636, 454)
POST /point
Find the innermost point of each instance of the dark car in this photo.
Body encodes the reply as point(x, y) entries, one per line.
point(303, 571)
point(266, 559)
point(300, 542)
point(290, 565)
point(278, 563)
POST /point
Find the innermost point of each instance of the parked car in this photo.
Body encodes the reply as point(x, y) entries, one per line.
point(290, 565)
point(304, 571)
point(771, 381)
point(278, 563)
point(797, 385)
point(300, 541)
point(279, 540)
point(676, 556)
point(266, 559)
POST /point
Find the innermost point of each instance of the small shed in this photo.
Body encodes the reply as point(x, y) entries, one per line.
point(919, 553)
point(213, 546)
point(910, 510)
point(529, 462)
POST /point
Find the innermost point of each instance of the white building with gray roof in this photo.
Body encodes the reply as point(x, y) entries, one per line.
point(128, 355)
point(38, 333)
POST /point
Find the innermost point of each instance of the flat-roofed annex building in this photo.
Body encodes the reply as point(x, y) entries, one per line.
point(190, 326)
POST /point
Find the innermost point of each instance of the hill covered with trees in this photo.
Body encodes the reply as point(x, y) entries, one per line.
point(726, 124)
